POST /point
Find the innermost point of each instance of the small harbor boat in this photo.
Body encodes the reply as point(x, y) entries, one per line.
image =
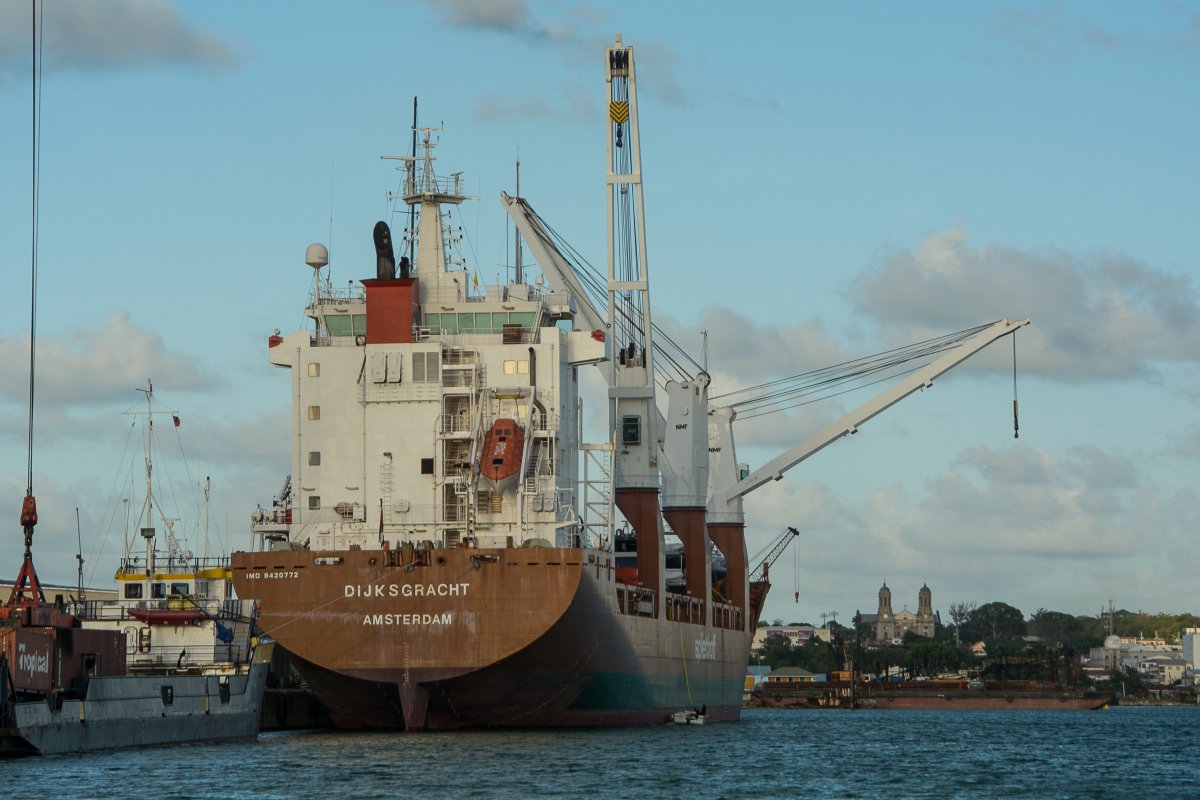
point(691, 716)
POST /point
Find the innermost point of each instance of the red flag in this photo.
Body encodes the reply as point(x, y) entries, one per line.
point(176, 420)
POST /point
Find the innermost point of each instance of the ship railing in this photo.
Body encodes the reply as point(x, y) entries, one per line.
point(119, 610)
point(187, 657)
point(172, 563)
point(456, 423)
point(327, 295)
point(460, 356)
point(728, 617)
point(682, 608)
point(462, 379)
point(636, 601)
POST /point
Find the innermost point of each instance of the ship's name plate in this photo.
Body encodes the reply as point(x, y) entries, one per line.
point(444, 618)
point(407, 590)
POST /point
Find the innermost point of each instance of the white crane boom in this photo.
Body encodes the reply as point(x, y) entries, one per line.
point(848, 424)
point(555, 267)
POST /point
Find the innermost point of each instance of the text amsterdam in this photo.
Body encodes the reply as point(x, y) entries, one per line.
point(408, 590)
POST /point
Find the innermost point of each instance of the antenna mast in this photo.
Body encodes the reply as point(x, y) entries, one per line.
point(518, 277)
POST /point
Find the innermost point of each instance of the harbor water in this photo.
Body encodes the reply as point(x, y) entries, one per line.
point(1119, 752)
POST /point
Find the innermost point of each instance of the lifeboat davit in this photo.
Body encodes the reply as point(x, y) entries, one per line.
point(500, 459)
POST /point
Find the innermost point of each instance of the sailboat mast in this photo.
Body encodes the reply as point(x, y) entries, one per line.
point(148, 505)
point(79, 556)
point(207, 489)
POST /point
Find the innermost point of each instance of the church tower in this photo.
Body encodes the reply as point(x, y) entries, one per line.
point(885, 620)
point(925, 625)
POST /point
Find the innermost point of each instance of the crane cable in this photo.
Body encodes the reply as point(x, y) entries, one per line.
point(1016, 423)
point(36, 186)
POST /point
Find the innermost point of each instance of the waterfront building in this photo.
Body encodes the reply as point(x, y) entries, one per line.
point(1139, 653)
point(790, 676)
point(1163, 670)
point(798, 635)
point(1190, 640)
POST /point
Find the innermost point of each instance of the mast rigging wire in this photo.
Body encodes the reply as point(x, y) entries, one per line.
point(672, 361)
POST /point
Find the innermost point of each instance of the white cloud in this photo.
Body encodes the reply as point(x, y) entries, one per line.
point(584, 31)
point(108, 34)
point(513, 18)
point(1015, 524)
point(1046, 31)
point(573, 103)
point(1101, 317)
point(91, 367)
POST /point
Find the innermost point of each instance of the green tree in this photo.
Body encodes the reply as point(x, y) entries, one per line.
point(993, 621)
point(1129, 680)
point(777, 651)
point(816, 657)
point(931, 657)
point(1053, 627)
point(960, 613)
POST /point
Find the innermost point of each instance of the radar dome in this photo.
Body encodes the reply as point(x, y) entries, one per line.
point(1112, 642)
point(316, 256)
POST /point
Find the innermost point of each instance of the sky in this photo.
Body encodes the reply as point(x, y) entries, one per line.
point(822, 181)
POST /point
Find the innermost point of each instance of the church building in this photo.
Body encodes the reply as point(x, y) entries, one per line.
point(891, 626)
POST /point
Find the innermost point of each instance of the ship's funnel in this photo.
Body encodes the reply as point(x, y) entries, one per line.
point(385, 258)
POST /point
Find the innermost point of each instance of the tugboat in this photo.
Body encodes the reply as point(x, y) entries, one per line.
point(172, 660)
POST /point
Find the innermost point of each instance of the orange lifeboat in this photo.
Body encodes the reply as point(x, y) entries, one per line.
point(500, 459)
point(167, 616)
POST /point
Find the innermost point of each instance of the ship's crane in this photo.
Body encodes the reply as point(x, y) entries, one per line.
point(759, 582)
point(725, 503)
point(763, 570)
point(683, 462)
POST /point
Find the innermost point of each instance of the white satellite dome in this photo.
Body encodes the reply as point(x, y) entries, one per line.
point(316, 256)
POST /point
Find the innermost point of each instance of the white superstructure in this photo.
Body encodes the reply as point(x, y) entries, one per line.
point(398, 384)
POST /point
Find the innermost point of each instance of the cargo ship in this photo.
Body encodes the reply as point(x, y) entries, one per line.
point(444, 554)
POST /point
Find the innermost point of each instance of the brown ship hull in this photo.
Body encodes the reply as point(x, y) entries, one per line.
point(530, 637)
point(1009, 701)
point(839, 696)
